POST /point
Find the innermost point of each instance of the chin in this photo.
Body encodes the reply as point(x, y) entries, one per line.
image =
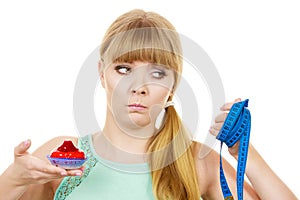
point(140, 121)
point(134, 120)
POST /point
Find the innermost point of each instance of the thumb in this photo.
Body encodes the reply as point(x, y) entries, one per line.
point(22, 148)
point(237, 100)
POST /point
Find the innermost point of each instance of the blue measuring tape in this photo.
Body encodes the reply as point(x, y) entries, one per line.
point(236, 128)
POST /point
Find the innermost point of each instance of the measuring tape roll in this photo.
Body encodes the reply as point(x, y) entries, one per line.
point(236, 128)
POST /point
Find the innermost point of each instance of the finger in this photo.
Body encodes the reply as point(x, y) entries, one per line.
point(39, 172)
point(75, 172)
point(43, 177)
point(48, 176)
point(213, 131)
point(58, 171)
point(22, 148)
point(221, 117)
point(237, 100)
point(217, 126)
point(37, 165)
point(52, 170)
point(227, 106)
point(38, 177)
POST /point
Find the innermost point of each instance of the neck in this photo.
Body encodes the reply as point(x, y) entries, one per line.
point(123, 140)
point(118, 145)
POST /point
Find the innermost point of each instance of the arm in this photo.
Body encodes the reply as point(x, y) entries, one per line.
point(209, 177)
point(29, 173)
point(9, 189)
point(264, 181)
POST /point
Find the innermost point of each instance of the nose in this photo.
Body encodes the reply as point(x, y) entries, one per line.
point(140, 90)
point(139, 81)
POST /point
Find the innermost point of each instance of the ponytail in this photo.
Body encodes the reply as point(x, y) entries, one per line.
point(172, 163)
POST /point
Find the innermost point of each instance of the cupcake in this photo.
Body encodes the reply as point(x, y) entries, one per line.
point(67, 156)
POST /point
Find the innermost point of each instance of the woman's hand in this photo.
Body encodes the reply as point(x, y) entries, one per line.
point(219, 121)
point(28, 169)
point(256, 166)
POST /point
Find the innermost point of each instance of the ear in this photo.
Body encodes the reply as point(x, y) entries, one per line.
point(101, 73)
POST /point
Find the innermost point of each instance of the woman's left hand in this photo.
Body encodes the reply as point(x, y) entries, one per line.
point(219, 121)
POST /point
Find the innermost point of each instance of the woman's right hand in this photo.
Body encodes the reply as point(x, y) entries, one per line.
point(28, 169)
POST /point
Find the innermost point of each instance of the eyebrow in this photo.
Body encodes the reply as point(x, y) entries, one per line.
point(159, 66)
point(154, 65)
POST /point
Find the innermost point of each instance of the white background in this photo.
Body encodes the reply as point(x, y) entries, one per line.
point(254, 44)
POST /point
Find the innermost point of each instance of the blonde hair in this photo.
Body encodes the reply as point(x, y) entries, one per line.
point(146, 36)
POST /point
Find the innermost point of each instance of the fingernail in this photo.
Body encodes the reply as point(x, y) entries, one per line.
point(63, 173)
point(25, 143)
point(78, 174)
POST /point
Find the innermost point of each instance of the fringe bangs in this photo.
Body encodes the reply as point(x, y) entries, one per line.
point(153, 45)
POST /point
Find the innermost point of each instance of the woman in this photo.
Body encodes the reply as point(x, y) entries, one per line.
point(133, 158)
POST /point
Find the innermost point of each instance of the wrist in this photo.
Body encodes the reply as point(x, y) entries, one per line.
point(254, 161)
point(10, 184)
point(234, 151)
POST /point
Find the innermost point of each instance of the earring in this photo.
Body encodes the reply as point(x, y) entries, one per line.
point(169, 103)
point(161, 117)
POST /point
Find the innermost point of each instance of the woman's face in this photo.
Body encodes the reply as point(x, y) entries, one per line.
point(136, 92)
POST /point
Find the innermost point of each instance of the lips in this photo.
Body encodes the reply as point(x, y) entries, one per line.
point(136, 106)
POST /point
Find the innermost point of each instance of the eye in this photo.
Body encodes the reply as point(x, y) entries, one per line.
point(123, 69)
point(158, 74)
